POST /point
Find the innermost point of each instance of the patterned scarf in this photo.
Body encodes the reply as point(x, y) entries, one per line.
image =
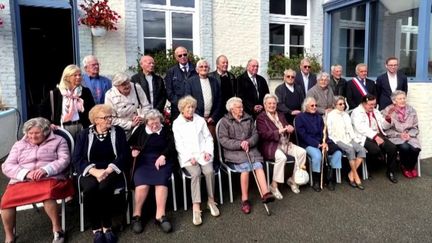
point(284, 138)
point(72, 102)
point(401, 113)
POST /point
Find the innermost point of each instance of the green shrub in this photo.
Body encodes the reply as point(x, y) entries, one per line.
point(237, 70)
point(279, 63)
point(163, 61)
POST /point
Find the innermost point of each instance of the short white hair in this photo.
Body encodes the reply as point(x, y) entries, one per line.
point(231, 101)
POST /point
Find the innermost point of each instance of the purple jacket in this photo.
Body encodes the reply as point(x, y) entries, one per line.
point(52, 155)
point(269, 134)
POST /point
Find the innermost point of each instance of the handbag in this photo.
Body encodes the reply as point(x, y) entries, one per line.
point(301, 177)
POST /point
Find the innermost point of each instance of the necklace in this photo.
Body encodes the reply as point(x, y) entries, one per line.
point(100, 136)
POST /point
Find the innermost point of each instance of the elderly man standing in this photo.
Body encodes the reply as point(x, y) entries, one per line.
point(152, 84)
point(322, 94)
point(206, 91)
point(252, 88)
point(305, 77)
point(337, 83)
point(97, 84)
point(359, 86)
point(227, 81)
point(175, 79)
point(290, 96)
point(389, 82)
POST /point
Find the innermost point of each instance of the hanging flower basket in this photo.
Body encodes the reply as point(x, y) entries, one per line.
point(97, 13)
point(98, 31)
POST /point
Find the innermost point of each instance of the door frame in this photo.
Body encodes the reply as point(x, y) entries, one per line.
point(60, 4)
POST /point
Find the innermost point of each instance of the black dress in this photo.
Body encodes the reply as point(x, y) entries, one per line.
point(152, 146)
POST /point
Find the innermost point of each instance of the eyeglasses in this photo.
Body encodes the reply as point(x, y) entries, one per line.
point(340, 104)
point(203, 66)
point(106, 118)
point(182, 55)
point(306, 66)
point(313, 105)
point(289, 76)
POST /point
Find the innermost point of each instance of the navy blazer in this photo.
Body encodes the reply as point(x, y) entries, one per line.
point(384, 90)
point(193, 88)
point(159, 91)
point(299, 80)
point(247, 92)
point(175, 82)
point(289, 101)
point(353, 94)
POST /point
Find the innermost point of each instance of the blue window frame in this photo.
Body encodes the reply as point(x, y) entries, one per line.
point(355, 31)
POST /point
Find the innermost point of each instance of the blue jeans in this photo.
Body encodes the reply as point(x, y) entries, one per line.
point(315, 156)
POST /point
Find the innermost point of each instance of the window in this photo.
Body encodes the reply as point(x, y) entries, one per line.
point(167, 24)
point(395, 34)
point(347, 40)
point(287, 31)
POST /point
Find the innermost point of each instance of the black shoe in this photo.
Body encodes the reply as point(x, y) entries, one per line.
point(99, 237)
point(136, 224)
point(110, 237)
point(316, 186)
point(164, 224)
point(392, 177)
point(331, 186)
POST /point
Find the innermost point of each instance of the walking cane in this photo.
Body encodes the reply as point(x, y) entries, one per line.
point(323, 151)
point(257, 182)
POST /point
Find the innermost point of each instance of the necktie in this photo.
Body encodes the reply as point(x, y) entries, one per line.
point(255, 84)
point(184, 71)
point(364, 82)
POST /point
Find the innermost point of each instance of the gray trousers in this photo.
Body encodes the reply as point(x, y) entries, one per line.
point(353, 150)
point(195, 172)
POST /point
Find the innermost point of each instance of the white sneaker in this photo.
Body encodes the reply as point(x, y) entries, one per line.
point(276, 193)
point(213, 209)
point(197, 218)
point(294, 187)
point(58, 237)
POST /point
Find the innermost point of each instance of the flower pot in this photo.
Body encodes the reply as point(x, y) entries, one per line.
point(98, 31)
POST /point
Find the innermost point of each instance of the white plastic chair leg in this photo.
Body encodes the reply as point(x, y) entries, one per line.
point(220, 188)
point(174, 192)
point(184, 193)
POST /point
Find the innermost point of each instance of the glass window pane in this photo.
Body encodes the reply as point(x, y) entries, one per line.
point(430, 50)
point(394, 33)
point(299, 7)
point(277, 7)
point(183, 3)
point(277, 50)
point(154, 24)
point(153, 45)
point(347, 40)
point(296, 51)
point(277, 33)
point(296, 35)
point(360, 13)
point(160, 2)
point(181, 25)
point(188, 44)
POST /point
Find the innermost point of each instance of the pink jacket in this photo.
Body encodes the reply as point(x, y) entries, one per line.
point(52, 155)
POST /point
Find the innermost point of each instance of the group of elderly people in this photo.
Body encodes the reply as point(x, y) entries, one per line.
point(125, 136)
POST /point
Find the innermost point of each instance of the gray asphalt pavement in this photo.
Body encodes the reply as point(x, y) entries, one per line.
point(384, 212)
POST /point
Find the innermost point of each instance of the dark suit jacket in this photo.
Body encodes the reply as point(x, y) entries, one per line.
point(299, 80)
point(289, 101)
point(353, 95)
point(338, 88)
point(247, 92)
point(159, 91)
point(193, 88)
point(45, 108)
point(384, 90)
point(175, 83)
point(228, 89)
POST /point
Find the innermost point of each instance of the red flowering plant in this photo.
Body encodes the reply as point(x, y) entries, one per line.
point(98, 13)
point(2, 6)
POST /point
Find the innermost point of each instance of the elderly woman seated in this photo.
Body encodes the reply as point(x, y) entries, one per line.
point(322, 93)
point(311, 136)
point(239, 138)
point(194, 145)
point(153, 151)
point(129, 102)
point(403, 132)
point(274, 132)
point(100, 154)
point(35, 166)
point(340, 131)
